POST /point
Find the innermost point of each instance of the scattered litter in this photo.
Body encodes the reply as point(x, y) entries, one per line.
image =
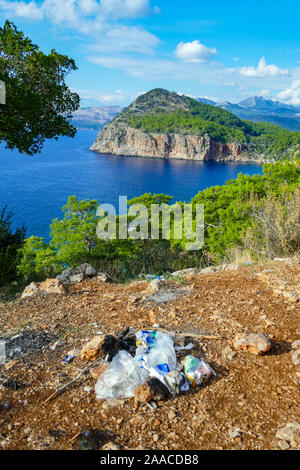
point(152, 405)
point(152, 372)
point(176, 382)
point(86, 442)
point(155, 351)
point(121, 378)
point(57, 344)
point(184, 348)
point(151, 277)
point(67, 359)
point(197, 370)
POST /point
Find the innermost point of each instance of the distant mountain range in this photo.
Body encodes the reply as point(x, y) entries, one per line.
point(95, 117)
point(259, 109)
point(256, 109)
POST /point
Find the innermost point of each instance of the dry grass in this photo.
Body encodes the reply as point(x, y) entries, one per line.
point(276, 228)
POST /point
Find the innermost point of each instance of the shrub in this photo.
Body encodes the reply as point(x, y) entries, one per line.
point(275, 230)
point(38, 261)
point(10, 243)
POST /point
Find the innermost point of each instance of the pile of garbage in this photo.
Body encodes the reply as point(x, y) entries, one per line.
point(146, 367)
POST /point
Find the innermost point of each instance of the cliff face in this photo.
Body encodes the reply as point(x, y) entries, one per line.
point(119, 139)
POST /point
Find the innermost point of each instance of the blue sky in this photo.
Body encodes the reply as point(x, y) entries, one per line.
point(223, 50)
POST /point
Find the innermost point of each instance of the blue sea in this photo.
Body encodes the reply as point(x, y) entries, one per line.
point(35, 188)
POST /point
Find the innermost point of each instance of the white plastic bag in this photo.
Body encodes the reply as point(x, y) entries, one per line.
point(155, 351)
point(122, 377)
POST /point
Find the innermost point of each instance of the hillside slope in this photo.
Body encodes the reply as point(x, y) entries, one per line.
point(166, 125)
point(243, 407)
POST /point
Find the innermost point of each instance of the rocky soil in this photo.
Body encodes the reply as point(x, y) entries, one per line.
point(252, 403)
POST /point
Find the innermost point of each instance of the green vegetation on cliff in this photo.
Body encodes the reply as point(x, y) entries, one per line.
point(160, 111)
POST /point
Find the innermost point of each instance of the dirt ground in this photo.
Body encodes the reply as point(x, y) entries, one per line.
point(241, 408)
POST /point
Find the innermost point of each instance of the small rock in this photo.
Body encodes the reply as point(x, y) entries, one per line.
point(284, 260)
point(92, 350)
point(266, 320)
point(296, 357)
point(255, 343)
point(296, 344)
point(30, 290)
point(151, 390)
point(106, 405)
point(234, 434)
point(185, 272)
point(104, 277)
point(229, 354)
point(98, 370)
point(284, 445)
point(74, 352)
point(209, 270)
point(10, 364)
point(290, 433)
point(76, 279)
point(152, 317)
point(231, 267)
point(50, 286)
point(154, 286)
point(171, 415)
point(87, 270)
point(111, 446)
point(64, 277)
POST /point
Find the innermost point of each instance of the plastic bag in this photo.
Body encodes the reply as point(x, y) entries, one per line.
point(122, 377)
point(197, 370)
point(155, 350)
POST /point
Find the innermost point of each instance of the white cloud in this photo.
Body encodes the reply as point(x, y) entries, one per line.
point(114, 97)
point(194, 52)
point(291, 95)
point(120, 9)
point(264, 92)
point(149, 68)
point(263, 70)
point(94, 18)
point(21, 9)
point(230, 84)
point(85, 16)
point(124, 39)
